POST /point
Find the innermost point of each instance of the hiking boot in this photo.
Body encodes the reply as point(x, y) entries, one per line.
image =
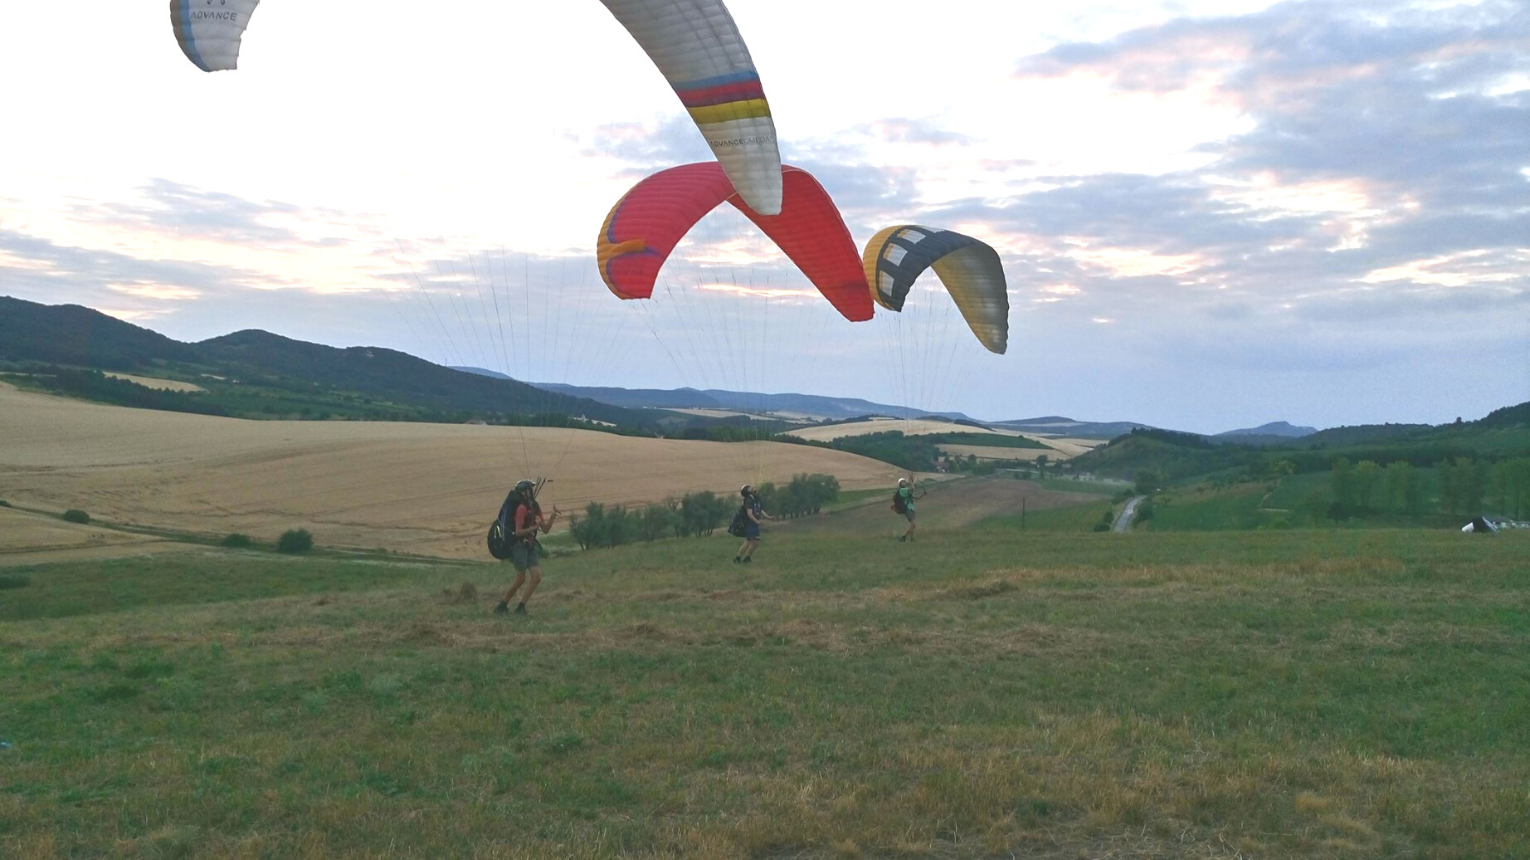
point(502, 608)
point(737, 560)
point(902, 538)
point(749, 559)
point(520, 609)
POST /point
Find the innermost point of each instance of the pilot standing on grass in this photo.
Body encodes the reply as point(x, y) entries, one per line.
point(903, 503)
point(753, 515)
point(525, 522)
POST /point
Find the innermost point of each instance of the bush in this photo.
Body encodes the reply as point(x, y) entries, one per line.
point(1149, 480)
point(4, 503)
point(75, 515)
point(805, 495)
point(237, 541)
point(295, 541)
point(701, 514)
point(14, 582)
point(604, 527)
point(658, 520)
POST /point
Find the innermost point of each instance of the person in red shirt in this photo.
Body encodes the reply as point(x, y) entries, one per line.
point(522, 520)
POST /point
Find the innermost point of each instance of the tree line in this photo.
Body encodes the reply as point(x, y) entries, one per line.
point(1466, 486)
point(97, 386)
point(695, 514)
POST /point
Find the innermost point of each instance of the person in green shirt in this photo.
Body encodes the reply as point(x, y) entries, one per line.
point(903, 503)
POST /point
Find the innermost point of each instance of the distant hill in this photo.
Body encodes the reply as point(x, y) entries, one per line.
point(1278, 429)
point(638, 398)
point(261, 355)
point(1172, 455)
point(1509, 417)
point(813, 406)
point(1366, 434)
point(1056, 425)
point(258, 373)
point(482, 371)
point(74, 335)
point(1503, 433)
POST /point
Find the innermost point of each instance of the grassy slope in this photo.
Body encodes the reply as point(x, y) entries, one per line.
point(1309, 693)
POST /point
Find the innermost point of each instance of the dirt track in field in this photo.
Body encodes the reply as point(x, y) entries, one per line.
point(428, 489)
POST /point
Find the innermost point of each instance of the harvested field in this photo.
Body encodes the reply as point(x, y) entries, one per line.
point(30, 538)
point(702, 412)
point(830, 432)
point(1061, 449)
point(1068, 447)
point(1056, 450)
point(986, 452)
point(160, 384)
point(414, 488)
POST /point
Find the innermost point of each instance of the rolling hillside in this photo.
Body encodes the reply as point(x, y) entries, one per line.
point(258, 374)
point(1503, 433)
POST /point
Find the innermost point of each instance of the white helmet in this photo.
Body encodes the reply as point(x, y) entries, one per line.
point(903, 482)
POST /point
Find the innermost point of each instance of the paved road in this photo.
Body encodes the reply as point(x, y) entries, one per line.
point(1124, 522)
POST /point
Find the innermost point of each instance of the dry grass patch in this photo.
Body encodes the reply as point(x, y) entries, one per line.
point(158, 384)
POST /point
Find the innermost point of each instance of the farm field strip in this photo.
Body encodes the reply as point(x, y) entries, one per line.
point(418, 488)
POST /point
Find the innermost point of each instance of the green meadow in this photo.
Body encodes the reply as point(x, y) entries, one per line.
point(993, 692)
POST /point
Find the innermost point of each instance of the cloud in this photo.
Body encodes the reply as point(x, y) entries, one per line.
point(645, 148)
point(36, 266)
point(918, 131)
point(171, 208)
point(1378, 187)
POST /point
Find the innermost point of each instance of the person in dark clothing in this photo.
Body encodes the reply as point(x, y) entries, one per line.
point(754, 514)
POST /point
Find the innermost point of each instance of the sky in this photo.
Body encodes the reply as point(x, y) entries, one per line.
point(1212, 214)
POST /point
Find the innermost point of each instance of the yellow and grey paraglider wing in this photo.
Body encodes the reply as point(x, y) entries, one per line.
point(698, 48)
point(209, 31)
point(970, 270)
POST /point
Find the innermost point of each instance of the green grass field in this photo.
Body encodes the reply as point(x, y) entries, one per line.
point(1046, 693)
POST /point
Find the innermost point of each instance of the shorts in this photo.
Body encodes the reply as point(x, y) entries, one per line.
point(909, 514)
point(524, 556)
point(751, 530)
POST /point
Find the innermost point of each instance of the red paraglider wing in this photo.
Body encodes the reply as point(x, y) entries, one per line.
point(646, 224)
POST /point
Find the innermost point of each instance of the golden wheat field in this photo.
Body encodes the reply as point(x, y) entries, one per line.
point(912, 427)
point(419, 488)
point(1061, 449)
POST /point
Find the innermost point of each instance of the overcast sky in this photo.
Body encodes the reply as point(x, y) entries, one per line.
point(1212, 214)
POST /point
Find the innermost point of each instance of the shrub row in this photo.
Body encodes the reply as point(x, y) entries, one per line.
point(695, 514)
